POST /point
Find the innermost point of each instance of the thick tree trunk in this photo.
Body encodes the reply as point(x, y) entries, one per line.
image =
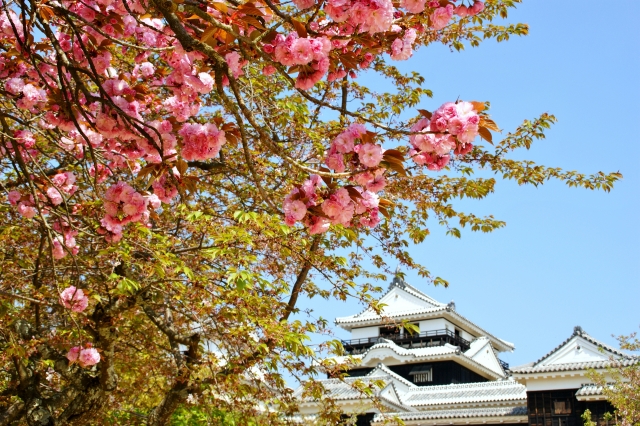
point(161, 414)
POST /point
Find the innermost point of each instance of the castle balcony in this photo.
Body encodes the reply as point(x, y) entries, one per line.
point(408, 340)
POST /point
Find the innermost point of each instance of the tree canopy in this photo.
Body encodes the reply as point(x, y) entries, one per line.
point(176, 174)
point(621, 385)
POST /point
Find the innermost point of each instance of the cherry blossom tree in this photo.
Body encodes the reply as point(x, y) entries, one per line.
point(621, 384)
point(176, 174)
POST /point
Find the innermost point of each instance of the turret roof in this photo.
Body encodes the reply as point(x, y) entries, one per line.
point(579, 352)
point(404, 301)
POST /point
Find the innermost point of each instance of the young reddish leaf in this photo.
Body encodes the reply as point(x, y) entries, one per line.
point(182, 166)
point(392, 159)
point(368, 137)
point(425, 113)
point(250, 9)
point(478, 106)
point(221, 7)
point(46, 13)
point(317, 211)
point(384, 212)
point(353, 192)
point(253, 22)
point(394, 153)
point(398, 168)
point(208, 33)
point(489, 123)
point(299, 27)
point(485, 134)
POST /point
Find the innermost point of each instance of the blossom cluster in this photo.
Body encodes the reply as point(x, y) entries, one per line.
point(372, 16)
point(25, 205)
point(143, 112)
point(74, 298)
point(317, 207)
point(452, 127)
point(344, 146)
point(86, 357)
point(310, 54)
point(123, 205)
point(201, 141)
point(65, 241)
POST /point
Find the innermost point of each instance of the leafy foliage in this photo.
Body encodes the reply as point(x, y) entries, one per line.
point(621, 385)
point(166, 199)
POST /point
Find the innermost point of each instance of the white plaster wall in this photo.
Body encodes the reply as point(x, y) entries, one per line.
point(487, 358)
point(362, 332)
point(466, 335)
point(433, 324)
point(574, 381)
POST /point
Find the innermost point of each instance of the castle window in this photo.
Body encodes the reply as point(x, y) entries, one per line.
point(422, 374)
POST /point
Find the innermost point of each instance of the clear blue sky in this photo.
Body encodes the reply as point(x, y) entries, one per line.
point(567, 256)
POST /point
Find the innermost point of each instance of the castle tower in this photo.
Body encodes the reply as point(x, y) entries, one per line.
point(436, 364)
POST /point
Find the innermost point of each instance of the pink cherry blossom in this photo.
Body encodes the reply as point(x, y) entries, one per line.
point(235, 63)
point(123, 204)
point(441, 17)
point(402, 49)
point(343, 143)
point(86, 357)
point(370, 155)
point(31, 97)
point(413, 6)
point(14, 85)
point(477, 7)
point(304, 4)
point(73, 353)
point(27, 210)
point(335, 161)
point(74, 298)
point(103, 172)
point(164, 189)
point(462, 11)
point(268, 70)
point(14, 197)
point(294, 211)
point(357, 130)
point(145, 69)
point(58, 250)
point(317, 225)
point(377, 184)
point(201, 141)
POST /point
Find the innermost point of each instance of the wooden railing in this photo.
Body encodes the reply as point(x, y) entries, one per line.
point(425, 338)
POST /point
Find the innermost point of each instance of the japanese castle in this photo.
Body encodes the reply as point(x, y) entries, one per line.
point(446, 370)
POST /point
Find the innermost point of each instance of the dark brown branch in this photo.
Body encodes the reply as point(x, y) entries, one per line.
point(15, 412)
point(206, 166)
point(302, 276)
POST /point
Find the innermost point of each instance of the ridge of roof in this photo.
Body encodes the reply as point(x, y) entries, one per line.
point(459, 413)
point(590, 389)
point(451, 350)
point(422, 295)
point(574, 366)
point(342, 390)
point(578, 331)
point(402, 285)
point(387, 371)
point(474, 385)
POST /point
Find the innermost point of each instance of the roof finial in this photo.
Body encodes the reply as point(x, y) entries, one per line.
point(578, 330)
point(451, 306)
point(397, 279)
